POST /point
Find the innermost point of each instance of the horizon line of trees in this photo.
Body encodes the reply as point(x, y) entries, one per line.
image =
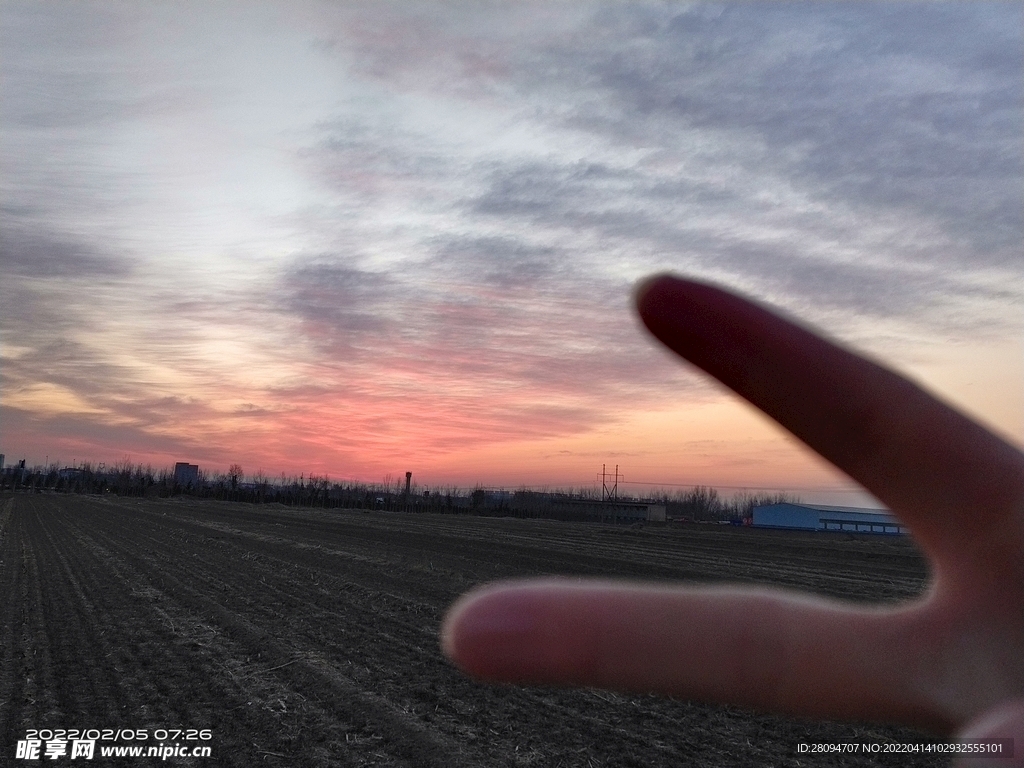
point(123, 478)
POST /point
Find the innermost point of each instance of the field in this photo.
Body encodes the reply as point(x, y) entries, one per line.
point(309, 638)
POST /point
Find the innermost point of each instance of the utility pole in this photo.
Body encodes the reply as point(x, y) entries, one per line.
point(613, 492)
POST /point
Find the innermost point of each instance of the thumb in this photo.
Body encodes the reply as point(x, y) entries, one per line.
point(1005, 721)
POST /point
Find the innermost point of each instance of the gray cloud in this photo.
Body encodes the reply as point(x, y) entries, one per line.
point(907, 113)
point(902, 107)
point(502, 263)
point(793, 256)
point(28, 250)
point(346, 302)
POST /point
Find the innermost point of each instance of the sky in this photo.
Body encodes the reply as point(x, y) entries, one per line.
point(359, 239)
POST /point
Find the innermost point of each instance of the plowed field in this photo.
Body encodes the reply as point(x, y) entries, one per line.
point(309, 638)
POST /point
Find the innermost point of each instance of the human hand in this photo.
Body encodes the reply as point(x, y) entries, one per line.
point(951, 661)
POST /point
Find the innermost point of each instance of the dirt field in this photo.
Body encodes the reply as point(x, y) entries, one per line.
point(309, 638)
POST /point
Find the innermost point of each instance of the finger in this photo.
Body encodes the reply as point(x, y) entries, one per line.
point(771, 651)
point(1003, 722)
point(960, 488)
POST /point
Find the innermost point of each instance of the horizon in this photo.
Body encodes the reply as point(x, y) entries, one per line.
point(367, 238)
point(654, 489)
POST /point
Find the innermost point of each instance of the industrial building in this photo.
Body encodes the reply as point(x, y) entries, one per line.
point(186, 475)
point(820, 517)
point(563, 507)
point(608, 511)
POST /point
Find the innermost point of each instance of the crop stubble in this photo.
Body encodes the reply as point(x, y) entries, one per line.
point(307, 637)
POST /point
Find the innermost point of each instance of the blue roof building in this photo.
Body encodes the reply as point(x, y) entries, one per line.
point(821, 517)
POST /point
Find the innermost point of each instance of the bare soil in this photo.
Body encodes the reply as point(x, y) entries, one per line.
point(309, 638)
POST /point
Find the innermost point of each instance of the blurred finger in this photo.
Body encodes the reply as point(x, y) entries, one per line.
point(1003, 722)
point(960, 488)
point(766, 650)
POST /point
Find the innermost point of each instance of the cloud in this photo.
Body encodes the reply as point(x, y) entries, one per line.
point(28, 251)
point(895, 107)
point(341, 306)
point(375, 229)
point(791, 153)
point(485, 335)
point(866, 138)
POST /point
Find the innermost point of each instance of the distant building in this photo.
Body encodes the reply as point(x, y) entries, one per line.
point(17, 471)
point(559, 507)
point(821, 517)
point(186, 474)
point(609, 511)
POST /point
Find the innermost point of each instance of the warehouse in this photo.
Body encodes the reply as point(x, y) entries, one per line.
point(557, 506)
point(819, 517)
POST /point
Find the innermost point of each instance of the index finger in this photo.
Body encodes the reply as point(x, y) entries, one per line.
point(957, 485)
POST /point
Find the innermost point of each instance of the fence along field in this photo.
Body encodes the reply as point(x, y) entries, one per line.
point(309, 637)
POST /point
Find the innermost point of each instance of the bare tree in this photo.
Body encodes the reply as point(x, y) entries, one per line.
point(235, 475)
point(702, 503)
point(259, 480)
point(743, 503)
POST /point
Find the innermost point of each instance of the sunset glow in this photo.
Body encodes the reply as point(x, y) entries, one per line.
point(360, 239)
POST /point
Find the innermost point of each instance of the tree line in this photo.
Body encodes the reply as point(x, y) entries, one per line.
point(704, 504)
point(125, 478)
